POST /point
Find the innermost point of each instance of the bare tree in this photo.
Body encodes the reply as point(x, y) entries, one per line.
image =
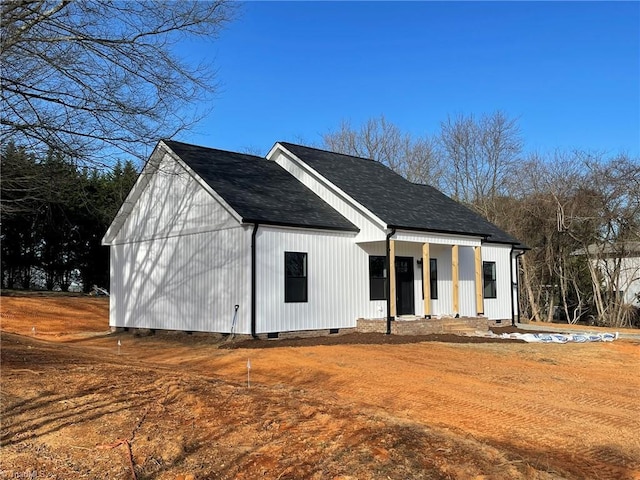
point(613, 191)
point(481, 154)
point(416, 159)
point(94, 76)
point(580, 214)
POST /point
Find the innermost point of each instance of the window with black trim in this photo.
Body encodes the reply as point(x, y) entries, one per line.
point(377, 277)
point(433, 276)
point(489, 279)
point(295, 271)
point(433, 279)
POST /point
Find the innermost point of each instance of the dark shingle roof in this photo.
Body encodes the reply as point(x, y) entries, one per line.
point(395, 200)
point(260, 190)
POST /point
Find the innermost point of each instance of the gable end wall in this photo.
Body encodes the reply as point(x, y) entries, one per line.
point(181, 261)
point(370, 229)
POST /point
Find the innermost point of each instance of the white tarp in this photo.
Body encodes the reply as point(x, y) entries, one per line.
point(560, 337)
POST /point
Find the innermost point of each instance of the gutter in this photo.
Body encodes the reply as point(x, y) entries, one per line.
point(253, 280)
point(517, 285)
point(389, 235)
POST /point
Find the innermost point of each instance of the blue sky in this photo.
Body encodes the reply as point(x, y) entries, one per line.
point(570, 71)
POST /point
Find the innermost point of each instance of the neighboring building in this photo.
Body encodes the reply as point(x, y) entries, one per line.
point(303, 240)
point(619, 267)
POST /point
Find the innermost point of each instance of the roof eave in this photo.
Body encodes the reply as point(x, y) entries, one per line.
point(486, 237)
point(275, 223)
point(435, 230)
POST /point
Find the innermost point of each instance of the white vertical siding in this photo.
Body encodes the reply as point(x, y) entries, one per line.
point(172, 203)
point(514, 288)
point(499, 308)
point(443, 305)
point(180, 260)
point(188, 282)
point(337, 281)
point(467, 282)
point(371, 228)
point(371, 308)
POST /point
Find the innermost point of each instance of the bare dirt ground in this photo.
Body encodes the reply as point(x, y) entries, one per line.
point(178, 406)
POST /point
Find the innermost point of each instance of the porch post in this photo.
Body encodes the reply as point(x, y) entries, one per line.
point(392, 277)
point(455, 279)
point(479, 296)
point(426, 279)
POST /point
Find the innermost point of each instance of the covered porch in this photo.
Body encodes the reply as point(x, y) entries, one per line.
point(429, 275)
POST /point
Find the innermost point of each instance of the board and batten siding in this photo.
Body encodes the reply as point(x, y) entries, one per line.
point(172, 203)
point(187, 282)
point(499, 308)
point(371, 228)
point(337, 281)
point(180, 261)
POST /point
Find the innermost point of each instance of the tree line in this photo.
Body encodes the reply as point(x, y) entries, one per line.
point(578, 212)
point(54, 215)
point(83, 84)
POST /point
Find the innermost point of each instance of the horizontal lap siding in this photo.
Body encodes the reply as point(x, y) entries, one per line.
point(437, 239)
point(336, 280)
point(628, 279)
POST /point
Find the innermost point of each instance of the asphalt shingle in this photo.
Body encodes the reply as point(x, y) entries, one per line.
point(395, 200)
point(260, 190)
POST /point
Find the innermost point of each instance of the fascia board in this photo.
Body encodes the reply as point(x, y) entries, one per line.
point(138, 187)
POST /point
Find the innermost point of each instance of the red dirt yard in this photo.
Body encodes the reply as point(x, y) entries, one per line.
point(74, 405)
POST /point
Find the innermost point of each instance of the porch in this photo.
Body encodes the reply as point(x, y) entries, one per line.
point(412, 325)
point(436, 276)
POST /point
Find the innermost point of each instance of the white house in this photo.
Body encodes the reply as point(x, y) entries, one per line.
point(304, 239)
point(619, 266)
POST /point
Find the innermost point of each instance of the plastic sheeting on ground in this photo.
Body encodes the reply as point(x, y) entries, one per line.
point(560, 337)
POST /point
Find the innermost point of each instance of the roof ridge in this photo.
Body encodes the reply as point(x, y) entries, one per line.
point(332, 152)
point(168, 141)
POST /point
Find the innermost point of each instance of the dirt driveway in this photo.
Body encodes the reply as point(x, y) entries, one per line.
point(74, 404)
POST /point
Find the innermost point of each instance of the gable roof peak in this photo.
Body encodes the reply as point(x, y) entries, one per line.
point(259, 191)
point(395, 200)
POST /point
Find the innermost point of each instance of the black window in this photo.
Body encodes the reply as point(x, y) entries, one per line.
point(489, 279)
point(433, 279)
point(433, 274)
point(377, 277)
point(295, 271)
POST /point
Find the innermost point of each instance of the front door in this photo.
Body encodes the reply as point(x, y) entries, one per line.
point(404, 286)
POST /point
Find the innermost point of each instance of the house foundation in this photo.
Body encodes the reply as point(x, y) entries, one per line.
point(426, 326)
